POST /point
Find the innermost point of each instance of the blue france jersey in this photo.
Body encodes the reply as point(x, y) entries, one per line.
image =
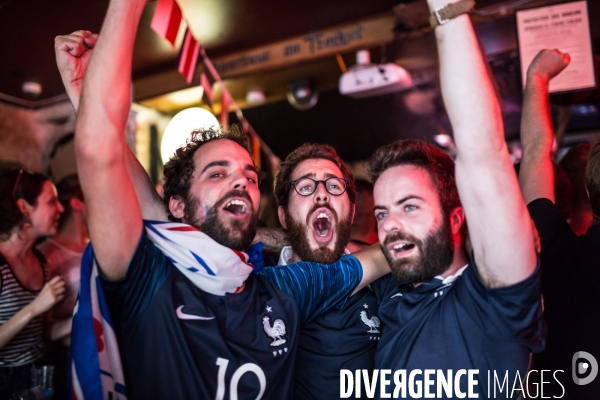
point(459, 323)
point(179, 342)
point(341, 338)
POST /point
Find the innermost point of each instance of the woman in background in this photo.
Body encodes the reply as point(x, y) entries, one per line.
point(29, 210)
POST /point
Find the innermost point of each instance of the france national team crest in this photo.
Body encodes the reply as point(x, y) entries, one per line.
point(275, 329)
point(371, 322)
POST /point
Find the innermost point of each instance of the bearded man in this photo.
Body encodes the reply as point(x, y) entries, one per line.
point(444, 315)
point(181, 299)
point(440, 311)
point(316, 193)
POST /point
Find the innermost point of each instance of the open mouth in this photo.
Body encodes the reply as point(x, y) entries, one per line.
point(401, 249)
point(322, 224)
point(237, 207)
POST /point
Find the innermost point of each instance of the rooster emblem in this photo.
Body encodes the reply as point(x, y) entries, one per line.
point(373, 323)
point(275, 332)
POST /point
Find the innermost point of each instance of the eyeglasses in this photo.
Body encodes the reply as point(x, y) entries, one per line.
point(14, 191)
point(307, 186)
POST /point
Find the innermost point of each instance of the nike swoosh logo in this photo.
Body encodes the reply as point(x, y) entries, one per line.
point(182, 315)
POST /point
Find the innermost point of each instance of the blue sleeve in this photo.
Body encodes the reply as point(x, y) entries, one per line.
point(317, 287)
point(148, 269)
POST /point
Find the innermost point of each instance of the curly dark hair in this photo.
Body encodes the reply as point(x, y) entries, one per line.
point(309, 151)
point(179, 169)
point(438, 164)
point(16, 183)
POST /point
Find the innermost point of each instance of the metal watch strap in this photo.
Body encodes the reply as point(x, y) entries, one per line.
point(449, 11)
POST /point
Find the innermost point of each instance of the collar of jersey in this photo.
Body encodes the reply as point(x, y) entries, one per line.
point(287, 252)
point(436, 282)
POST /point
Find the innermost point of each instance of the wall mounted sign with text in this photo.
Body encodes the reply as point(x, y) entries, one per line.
point(365, 34)
point(564, 27)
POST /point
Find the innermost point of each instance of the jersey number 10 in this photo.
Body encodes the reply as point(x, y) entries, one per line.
point(249, 367)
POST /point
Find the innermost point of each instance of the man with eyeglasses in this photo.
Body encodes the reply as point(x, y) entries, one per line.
point(181, 296)
point(316, 193)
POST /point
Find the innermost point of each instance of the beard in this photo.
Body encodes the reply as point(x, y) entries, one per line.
point(435, 255)
point(298, 236)
point(233, 233)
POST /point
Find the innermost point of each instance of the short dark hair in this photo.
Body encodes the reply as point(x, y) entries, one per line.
point(363, 185)
point(574, 163)
point(364, 189)
point(563, 189)
point(418, 153)
point(592, 180)
point(309, 151)
point(16, 183)
point(67, 188)
point(179, 169)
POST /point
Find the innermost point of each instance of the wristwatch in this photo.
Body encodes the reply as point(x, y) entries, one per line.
point(449, 11)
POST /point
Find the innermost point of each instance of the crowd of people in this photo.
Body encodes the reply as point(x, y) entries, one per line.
point(441, 272)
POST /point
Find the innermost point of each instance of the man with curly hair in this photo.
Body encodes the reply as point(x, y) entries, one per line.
point(204, 326)
point(231, 220)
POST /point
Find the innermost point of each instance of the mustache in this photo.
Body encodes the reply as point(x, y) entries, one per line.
point(316, 207)
point(399, 235)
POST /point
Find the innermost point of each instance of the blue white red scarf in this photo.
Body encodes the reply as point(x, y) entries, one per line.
point(96, 371)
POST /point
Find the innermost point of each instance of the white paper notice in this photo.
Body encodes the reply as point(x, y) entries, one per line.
point(564, 27)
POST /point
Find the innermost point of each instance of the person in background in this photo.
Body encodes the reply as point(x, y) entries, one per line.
point(29, 210)
point(315, 194)
point(563, 190)
point(63, 253)
point(364, 228)
point(570, 263)
point(574, 163)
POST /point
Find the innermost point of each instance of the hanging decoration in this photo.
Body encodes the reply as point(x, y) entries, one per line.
point(226, 101)
point(188, 56)
point(166, 22)
point(167, 19)
point(207, 93)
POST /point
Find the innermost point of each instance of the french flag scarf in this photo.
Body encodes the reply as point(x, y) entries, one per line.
point(96, 372)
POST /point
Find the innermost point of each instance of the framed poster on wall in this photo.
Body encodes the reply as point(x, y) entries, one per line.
point(564, 27)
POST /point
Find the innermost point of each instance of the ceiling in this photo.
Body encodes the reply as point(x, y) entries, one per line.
point(236, 25)
point(228, 28)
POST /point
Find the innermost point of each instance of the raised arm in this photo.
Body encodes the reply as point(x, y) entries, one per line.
point(498, 221)
point(536, 175)
point(148, 198)
point(73, 53)
point(114, 216)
